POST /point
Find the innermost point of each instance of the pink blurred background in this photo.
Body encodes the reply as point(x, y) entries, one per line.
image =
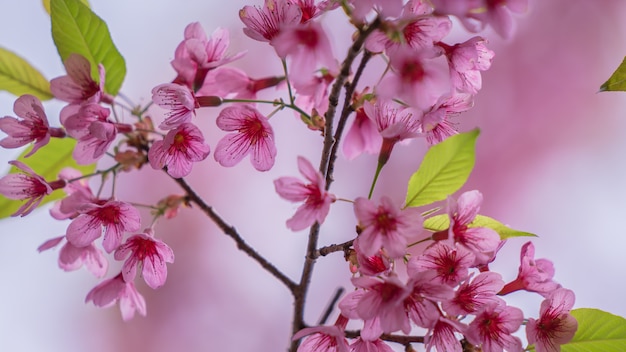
point(550, 161)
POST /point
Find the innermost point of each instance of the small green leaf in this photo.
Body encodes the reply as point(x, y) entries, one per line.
point(617, 81)
point(46, 162)
point(18, 77)
point(76, 29)
point(597, 331)
point(442, 222)
point(46, 4)
point(503, 230)
point(445, 168)
point(437, 223)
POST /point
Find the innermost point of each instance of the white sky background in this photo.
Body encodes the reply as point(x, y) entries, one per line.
point(573, 196)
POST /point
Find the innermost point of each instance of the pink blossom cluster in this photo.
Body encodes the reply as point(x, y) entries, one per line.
point(446, 289)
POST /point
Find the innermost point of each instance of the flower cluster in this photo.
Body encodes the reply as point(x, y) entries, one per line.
point(444, 287)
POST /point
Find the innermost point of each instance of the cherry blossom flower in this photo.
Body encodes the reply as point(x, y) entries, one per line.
point(482, 241)
point(493, 326)
point(534, 274)
point(180, 148)
point(442, 336)
point(436, 124)
point(421, 304)
point(264, 24)
point(110, 219)
point(78, 86)
point(473, 296)
point(466, 60)
point(151, 253)
point(450, 263)
point(362, 136)
point(253, 135)
point(196, 54)
point(386, 226)
point(310, 10)
point(233, 83)
point(308, 46)
point(385, 8)
point(324, 338)
point(361, 345)
point(72, 258)
point(26, 186)
point(381, 301)
point(179, 100)
point(312, 94)
point(314, 195)
point(417, 77)
point(371, 265)
point(116, 289)
point(33, 127)
point(78, 194)
point(555, 326)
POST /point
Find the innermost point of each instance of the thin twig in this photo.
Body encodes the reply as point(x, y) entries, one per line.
point(231, 232)
point(401, 339)
point(331, 306)
point(324, 251)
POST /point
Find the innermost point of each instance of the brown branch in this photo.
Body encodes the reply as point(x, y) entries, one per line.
point(324, 251)
point(333, 100)
point(401, 339)
point(231, 232)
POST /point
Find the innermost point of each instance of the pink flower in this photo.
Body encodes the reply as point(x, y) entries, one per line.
point(473, 296)
point(426, 291)
point(451, 264)
point(152, 253)
point(72, 258)
point(233, 83)
point(482, 241)
point(386, 8)
point(378, 345)
point(363, 136)
point(443, 337)
point(555, 326)
point(196, 54)
point(534, 275)
point(26, 186)
point(89, 124)
point(386, 226)
point(493, 326)
point(394, 123)
point(307, 45)
point(78, 194)
point(179, 100)
point(181, 147)
point(417, 77)
point(263, 24)
point(324, 338)
point(32, 127)
point(436, 124)
point(312, 93)
point(111, 219)
point(253, 135)
point(371, 265)
point(310, 10)
point(116, 289)
point(382, 301)
point(466, 60)
point(78, 87)
point(316, 200)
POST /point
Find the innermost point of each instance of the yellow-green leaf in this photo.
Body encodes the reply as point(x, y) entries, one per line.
point(77, 30)
point(445, 168)
point(442, 222)
point(617, 81)
point(18, 77)
point(46, 162)
point(46, 4)
point(597, 331)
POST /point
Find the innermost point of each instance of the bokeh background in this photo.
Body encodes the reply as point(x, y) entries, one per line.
point(551, 160)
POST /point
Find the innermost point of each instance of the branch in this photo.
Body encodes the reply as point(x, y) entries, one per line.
point(231, 232)
point(401, 339)
point(324, 251)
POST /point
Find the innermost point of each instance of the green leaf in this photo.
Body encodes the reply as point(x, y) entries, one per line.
point(18, 77)
point(442, 222)
point(46, 162)
point(503, 230)
point(76, 29)
point(46, 4)
point(617, 81)
point(597, 331)
point(445, 168)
